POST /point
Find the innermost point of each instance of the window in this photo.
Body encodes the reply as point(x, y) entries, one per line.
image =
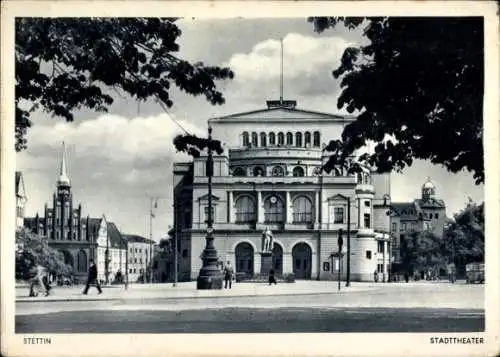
point(136, 250)
point(380, 246)
point(140, 260)
point(272, 139)
point(289, 138)
point(380, 268)
point(366, 217)
point(368, 254)
point(57, 221)
point(403, 226)
point(338, 214)
point(212, 213)
point(367, 203)
point(274, 210)
point(239, 172)
point(135, 270)
point(246, 139)
point(298, 139)
point(258, 171)
point(184, 253)
point(298, 171)
point(436, 215)
point(281, 139)
point(74, 235)
point(130, 271)
point(245, 210)
point(302, 210)
point(254, 139)
point(135, 260)
point(263, 141)
point(307, 139)
point(401, 239)
point(394, 226)
point(316, 140)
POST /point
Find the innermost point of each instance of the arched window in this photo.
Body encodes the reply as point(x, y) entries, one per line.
point(298, 171)
point(81, 261)
point(246, 139)
point(366, 179)
point(307, 139)
point(254, 139)
point(289, 138)
point(258, 171)
point(302, 210)
point(272, 139)
point(298, 139)
point(239, 171)
point(316, 138)
point(263, 141)
point(274, 211)
point(245, 209)
point(281, 139)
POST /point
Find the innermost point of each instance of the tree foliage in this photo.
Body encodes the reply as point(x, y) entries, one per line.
point(32, 250)
point(419, 80)
point(464, 236)
point(420, 251)
point(67, 64)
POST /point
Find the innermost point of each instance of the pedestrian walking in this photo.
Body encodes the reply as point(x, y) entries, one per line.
point(228, 275)
point(272, 277)
point(92, 278)
point(39, 281)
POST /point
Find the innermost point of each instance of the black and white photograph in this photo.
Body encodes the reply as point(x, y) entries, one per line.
point(260, 175)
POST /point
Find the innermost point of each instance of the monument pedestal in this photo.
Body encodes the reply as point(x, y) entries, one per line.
point(266, 263)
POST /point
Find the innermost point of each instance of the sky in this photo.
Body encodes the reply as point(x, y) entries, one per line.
point(118, 160)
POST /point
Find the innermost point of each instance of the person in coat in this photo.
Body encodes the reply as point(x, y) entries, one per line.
point(92, 278)
point(228, 275)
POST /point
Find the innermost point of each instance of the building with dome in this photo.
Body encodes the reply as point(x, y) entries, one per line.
point(425, 213)
point(270, 177)
point(77, 237)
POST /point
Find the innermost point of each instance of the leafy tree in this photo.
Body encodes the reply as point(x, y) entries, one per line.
point(421, 251)
point(419, 80)
point(67, 64)
point(464, 236)
point(31, 250)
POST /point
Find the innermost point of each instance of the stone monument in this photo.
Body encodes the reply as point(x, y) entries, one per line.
point(267, 252)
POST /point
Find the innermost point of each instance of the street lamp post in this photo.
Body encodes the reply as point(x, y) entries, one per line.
point(210, 276)
point(348, 268)
point(389, 213)
point(340, 243)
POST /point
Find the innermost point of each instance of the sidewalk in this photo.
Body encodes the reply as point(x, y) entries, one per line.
point(188, 291)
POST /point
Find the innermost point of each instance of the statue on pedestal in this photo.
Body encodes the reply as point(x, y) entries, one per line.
point(267, 241)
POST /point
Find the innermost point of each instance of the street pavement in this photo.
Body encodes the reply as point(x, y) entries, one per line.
point(306, 306)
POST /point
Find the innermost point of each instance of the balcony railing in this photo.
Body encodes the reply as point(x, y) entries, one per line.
point(302, 218)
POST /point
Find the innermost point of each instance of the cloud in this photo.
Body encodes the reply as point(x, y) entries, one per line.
point(307, 65)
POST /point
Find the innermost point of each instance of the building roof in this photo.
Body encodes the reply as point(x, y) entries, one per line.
point(116, 239)
point(133, 238)
point(430, 203)
point(283, 112)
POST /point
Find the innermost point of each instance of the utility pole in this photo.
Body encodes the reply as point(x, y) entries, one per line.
point(176, 257)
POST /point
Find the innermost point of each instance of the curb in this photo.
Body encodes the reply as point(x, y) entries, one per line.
point(34, 300)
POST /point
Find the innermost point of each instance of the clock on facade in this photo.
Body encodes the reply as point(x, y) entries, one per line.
point(278, 171)
point(273, 200)
point(317, 170)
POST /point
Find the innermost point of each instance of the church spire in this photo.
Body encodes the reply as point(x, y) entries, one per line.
point(63, 175)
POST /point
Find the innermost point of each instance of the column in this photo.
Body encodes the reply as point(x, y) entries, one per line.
point(230, 209)
point(260, 208)
point(316, 208)
point(288, 207)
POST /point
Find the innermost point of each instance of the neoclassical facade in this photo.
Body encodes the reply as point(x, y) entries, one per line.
point(270, 176)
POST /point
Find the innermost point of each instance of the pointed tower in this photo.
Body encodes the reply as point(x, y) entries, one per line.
point(63, 175)
point(63, 201)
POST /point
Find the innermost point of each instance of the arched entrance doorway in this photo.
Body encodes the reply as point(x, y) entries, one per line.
point(82, 261)
point(68, 258)
point(302, 261)
point(244, 258)
point(277, 259)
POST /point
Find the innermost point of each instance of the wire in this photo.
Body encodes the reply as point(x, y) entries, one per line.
point(171, 117)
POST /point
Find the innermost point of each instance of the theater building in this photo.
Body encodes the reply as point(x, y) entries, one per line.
point(270, 177)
